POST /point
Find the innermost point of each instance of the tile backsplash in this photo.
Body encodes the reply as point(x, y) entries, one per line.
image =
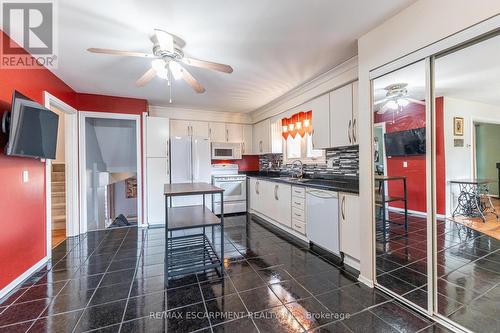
point(342, 161)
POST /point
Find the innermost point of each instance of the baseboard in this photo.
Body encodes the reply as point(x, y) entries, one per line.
point(366, 281)
point(8, 288)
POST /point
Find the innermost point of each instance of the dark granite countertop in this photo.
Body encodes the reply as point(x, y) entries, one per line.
point(337, 183)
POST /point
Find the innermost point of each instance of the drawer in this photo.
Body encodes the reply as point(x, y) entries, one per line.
point(298, 214)
point(298, 191)
point(299, 226)
point(298, 202)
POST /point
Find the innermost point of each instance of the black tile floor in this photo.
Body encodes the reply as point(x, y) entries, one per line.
point(112, 281)
point(468, 269)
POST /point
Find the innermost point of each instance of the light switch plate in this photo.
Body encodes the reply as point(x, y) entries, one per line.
point(405, 164)
point(25, 176)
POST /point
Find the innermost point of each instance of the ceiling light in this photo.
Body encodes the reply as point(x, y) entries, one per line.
point(176, 69)
point(160, 67)
point(393, 105)
point(403, 102)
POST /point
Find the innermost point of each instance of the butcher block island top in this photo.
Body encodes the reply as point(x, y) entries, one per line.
point(181, 189)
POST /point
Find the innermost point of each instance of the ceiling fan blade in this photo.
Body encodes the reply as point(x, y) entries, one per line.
point(146, 77)
point(121, 53)
point(193, 83)
point(416, 101)
point(380, 101)
point(165, 40)
point(382, 110)
point(207, 64)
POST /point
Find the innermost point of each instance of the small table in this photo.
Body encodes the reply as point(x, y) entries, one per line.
point(469, 199)
point(382, 200)
point(194, 252)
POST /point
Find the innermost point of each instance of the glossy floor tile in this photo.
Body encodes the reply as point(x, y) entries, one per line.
point(113, 281)
point(468, 269)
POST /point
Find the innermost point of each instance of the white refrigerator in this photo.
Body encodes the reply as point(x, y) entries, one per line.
point(190, 163)
point(157, 168)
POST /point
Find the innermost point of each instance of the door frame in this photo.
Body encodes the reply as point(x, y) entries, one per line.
point(82, 115)
point(71, 161)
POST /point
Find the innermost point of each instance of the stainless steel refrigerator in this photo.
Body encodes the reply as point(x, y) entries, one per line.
point(190, 163)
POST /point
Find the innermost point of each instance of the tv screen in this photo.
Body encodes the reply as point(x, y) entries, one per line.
point(404, 143)
point(33, 129)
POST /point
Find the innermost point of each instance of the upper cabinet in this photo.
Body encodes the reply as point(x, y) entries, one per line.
point(234, 133)
point(217, 132)
point(320, 107)
point(247, 145)
point(189, 127)
point(157, 136)
point(341, 117)
point(262, 137)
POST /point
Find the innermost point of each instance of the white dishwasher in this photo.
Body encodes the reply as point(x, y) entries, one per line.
point(323, 219)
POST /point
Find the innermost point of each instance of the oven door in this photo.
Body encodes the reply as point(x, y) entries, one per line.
point(234, 190)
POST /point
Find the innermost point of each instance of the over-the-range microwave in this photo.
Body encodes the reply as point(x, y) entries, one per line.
point(226, 151)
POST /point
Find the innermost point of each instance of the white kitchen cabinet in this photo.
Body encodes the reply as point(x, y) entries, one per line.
point(189, 127)
point(180, 127)
point(199, 129)
point(280, 205)
point(320, 107)
point(262, 137)
point(157, 174)
point(255, 197)
point(217, 132)
point(341, 117)
point(355, 113)
point(247, 146)
point(349, 212)
point(234, 133)
point(157, 129)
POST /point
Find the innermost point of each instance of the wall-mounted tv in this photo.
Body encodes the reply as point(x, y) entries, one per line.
point(31, 128)
point(404, 143)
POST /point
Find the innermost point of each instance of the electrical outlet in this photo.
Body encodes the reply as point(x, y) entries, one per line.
point(405, 164)
point(25, 176)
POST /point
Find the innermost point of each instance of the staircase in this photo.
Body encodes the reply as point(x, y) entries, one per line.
point(58, 197)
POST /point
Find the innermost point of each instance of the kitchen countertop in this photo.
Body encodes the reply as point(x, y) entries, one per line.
point(339, 184)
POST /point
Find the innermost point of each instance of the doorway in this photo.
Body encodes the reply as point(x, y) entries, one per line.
point(61, 176)
point(110, 171)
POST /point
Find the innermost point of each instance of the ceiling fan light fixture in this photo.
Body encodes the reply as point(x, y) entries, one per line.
point(403, 102)
point(392, 104)
point(176, 69)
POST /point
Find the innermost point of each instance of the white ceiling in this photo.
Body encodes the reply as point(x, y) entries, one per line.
point(273, 45)
point(470, 73)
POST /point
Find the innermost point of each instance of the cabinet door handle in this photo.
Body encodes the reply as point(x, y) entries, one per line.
point(257, 187)
point(227, 135)
point(343, 208)
point(276, 192)
point(297, 214)
point(349, 131)
point(243, 148)
point(210, 133)
point(260, 146)
point(354, 139)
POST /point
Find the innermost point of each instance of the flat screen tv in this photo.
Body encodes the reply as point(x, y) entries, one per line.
point(32, 129)
point(404, 143)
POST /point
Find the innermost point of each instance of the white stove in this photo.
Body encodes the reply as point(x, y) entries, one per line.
point(235, 185)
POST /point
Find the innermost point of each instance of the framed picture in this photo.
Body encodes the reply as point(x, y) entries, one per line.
point(458, 126)
point(131, 188)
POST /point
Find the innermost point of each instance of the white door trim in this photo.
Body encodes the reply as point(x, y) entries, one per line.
point(145, 220)
point(70, 151)
point(82, 161)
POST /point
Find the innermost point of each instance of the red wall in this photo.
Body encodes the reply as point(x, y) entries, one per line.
point(247, 163)
point(22, 205)
point(412, 117)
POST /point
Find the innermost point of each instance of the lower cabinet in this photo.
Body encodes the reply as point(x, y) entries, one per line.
point(349, 212)
point(272, 200)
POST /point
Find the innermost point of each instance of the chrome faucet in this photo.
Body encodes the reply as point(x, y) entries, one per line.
point(299, 174)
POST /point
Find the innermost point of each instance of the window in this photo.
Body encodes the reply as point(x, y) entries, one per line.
point(302, 148)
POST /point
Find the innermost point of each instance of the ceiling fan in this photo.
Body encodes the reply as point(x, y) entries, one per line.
point(168, 60)
point(396, 98)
